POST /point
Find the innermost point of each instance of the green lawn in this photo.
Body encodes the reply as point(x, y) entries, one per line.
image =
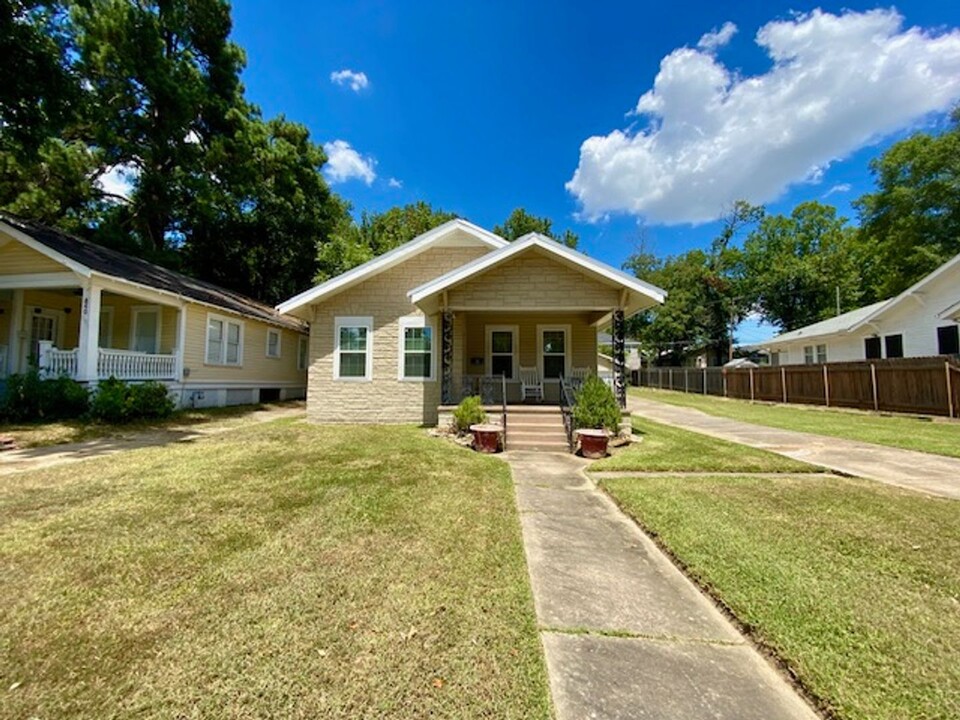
point(854, 584)
point(668, 449)
point(940, 437)
point(281, 570)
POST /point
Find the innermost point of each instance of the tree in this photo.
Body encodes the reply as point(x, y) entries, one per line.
point(794, 265)
point(911, 224)
point(521, 223)
point(353, 243)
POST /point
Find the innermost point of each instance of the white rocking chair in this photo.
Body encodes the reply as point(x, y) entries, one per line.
point(531, 386)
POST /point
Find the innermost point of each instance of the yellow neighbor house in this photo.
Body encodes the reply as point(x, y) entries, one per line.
point(74, 308)
point(460, 311)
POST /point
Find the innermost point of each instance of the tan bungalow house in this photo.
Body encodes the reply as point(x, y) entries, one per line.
point(460, 311)
point(71, 307)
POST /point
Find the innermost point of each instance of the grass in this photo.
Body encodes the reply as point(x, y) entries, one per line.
point(910, 433)
point(668, 449)
point(44, 434)
point(855, 585)
point(282, 570)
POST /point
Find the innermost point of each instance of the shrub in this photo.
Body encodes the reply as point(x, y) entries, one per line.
point(150, 400)
point(117, 402)
point(469, 412)
point(596, 407)
point(30, 398)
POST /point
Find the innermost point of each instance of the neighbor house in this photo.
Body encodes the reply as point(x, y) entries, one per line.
point(74, 308)
point(922, 321)
point(460, 311)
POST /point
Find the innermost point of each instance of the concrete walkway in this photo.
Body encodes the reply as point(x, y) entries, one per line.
point(625, 634)
point(933, 474)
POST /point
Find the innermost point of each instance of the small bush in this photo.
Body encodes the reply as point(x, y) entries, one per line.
point(469, 412)
point(30, 398)
point(596, 406)
point(117, 402)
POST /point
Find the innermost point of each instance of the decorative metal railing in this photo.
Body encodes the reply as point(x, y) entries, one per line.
point(568, 397)
point(503, 407)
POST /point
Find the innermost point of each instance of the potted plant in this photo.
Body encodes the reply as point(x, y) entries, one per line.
point(596, 414)
point(470, 415)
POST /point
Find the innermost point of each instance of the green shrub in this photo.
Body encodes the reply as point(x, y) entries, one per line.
point(469, 412)
point(596, 406)
point(30, 398)
point(117, 402)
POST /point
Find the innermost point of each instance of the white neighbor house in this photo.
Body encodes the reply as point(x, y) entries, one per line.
point(922, 321)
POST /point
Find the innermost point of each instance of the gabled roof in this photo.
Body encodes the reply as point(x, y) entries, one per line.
point(832, 326)
point(951, 312)
point(551, 247)
point(86, 258)
point(390, 259)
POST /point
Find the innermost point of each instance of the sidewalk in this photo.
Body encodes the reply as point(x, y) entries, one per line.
point(625, 633)
point(933, 474)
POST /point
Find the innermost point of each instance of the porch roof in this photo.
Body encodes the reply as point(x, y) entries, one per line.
point(637, 294)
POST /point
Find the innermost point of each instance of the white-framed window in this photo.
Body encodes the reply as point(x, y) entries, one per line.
point(808, 356)
point(502, 350)
point(416, 349)
point(145, 328)
point(821, 354)
point(553, 350)
point(224, 340)
point(353, 348)
point(303, 352)
point(105, 339)
point(273, 343)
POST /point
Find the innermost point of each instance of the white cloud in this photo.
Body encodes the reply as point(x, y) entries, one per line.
point(716, 39)
point(394, 183)
point(838, 82)
point(344, 163)
point(356, 80)
point(841, 188)
point(119, 180)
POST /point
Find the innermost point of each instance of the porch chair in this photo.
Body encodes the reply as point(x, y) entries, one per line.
point(580, 374)
point(531, 386)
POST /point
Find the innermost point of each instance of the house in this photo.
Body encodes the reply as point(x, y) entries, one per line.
point(74, 308)
point(922, 321)
point(458, 311)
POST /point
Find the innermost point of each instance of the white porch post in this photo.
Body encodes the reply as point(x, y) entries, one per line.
point(89, 345)
point(181, 342)
point(16, 330)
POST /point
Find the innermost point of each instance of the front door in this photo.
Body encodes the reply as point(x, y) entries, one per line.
point(43, 326)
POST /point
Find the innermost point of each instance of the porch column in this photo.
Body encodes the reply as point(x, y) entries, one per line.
point(619, 359)
point(181, 342)
point(16, 330)
point(89, 346)
point(446, 357)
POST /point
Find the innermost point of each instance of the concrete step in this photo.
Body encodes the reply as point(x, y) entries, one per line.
point(533, 410)
point(549, 436)
point(538, 446)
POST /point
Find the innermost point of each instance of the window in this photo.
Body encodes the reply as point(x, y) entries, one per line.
point(224, 341)
point(775, 359)
point(502, 350)
point(416, 349)
point(871, 348)
point(273, 343)
point(948, 340)
point(894, 345)
point(808, 356)
point(353, 348)
point(821, 354)
point(303, 352)
point(105, 339)
point(145, 329)
point(553, 350)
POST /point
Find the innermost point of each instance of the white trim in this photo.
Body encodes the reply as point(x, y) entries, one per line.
point(279, 353)
point(530, 240)
point(107, 310)
point(347, 321)
point(952, 312)
point(567, 338)
point(303, 359)
point(488, 331)
point(33, 281)
point(416, 321)
point(227, 321)
point(388, 260)
point(135, 312)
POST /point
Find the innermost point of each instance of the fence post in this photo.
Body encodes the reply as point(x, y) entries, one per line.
point(724, 383)
point(951, 409)
point(873, 384)
point(686, 380)
point(826, 386)
point(704, 381)
point(751, 385)
point(670, 379)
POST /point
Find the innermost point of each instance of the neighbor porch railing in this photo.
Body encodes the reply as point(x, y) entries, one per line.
point(129, 365)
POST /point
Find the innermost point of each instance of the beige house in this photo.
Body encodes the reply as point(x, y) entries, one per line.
point(460, 311)
point(71, 307)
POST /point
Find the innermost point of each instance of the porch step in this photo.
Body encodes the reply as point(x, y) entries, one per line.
point(538, 446)
point(536, 427)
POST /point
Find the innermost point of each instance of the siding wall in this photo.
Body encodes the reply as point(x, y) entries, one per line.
point(17, 259)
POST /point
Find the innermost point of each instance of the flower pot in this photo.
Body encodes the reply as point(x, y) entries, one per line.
point(486, 438)
point(593, 443)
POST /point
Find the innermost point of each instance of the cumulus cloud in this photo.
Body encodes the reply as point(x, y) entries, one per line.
point(344, 163)
point(394, 183)
point(716, 39)
point(838, 82)
point(356, 81)
point(119, 180)
point(841, 188)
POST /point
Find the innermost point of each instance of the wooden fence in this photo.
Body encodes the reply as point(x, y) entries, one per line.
point(926, 386)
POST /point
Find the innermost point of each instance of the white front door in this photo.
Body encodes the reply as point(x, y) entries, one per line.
point(43, 326)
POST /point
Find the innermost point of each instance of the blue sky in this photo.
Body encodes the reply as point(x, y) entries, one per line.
point(479, 108)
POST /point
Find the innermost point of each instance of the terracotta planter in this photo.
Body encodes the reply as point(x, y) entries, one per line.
point(593, 443)
point(486, 438)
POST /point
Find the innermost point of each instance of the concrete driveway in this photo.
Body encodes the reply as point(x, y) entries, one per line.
point(933, 474)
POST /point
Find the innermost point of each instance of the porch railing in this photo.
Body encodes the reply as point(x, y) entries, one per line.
point(129, 365)
point(568, 396)
point(54, 362)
